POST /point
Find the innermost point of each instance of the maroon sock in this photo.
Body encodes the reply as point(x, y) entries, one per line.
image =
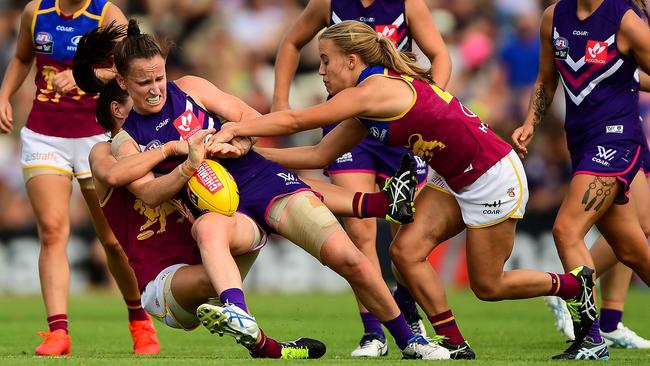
point(564, 285)
point(266, 347)
point(58, 321)
point(136, 312)
point(445, 325)
point(366, 205)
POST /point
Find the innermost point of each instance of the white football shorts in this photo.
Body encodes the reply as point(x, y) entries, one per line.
point(497, 195)
point(42, 154)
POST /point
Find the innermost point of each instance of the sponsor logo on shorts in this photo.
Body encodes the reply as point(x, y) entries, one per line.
point(614, 129)
point(289, 178)
point(345, 158)
point(48, 156)
point(604, 156)
point(492, 208)
point(511, 192)
point(420, 165)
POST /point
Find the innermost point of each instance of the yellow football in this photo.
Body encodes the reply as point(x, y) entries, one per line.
point(212, 189)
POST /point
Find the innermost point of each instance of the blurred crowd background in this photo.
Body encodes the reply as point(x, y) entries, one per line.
point(494, 47)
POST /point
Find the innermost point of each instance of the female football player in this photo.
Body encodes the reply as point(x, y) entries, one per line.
point(595, 47)
point(369, 163)
point(59, 133)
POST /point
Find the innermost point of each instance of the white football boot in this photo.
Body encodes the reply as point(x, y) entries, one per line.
point(420, 348)
point(563, 321)
point(624, 337)
point(371, 345)
point(231, 320)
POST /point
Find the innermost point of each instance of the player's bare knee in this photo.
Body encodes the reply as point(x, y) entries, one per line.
point(401, 255)
point(349, 265)
point(564, 234)
point(486, 291)
point(53, 232)
point(209, 224)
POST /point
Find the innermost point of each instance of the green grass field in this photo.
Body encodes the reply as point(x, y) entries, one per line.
point(504, 333)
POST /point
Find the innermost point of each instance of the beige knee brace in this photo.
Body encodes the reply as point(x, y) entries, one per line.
point(303, 219)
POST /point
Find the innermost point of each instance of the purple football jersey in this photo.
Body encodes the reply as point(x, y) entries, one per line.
point(260, 181)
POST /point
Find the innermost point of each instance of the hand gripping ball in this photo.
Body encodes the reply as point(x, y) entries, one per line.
point(212, 189)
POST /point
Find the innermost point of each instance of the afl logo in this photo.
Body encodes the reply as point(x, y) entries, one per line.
point(560, 43)
point(43, 38)
point(153, 145)
point(75, 40)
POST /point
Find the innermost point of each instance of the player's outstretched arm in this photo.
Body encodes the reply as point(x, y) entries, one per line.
point(340, 140)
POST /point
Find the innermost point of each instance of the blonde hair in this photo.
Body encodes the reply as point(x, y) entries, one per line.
point(354, 37)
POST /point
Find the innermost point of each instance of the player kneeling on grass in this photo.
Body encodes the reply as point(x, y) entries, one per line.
point(166, 258)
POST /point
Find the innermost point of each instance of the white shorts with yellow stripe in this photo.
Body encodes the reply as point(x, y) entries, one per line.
point(42, 154)
point(499, 194)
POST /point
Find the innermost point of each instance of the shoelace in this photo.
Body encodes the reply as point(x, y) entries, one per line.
point(293, 352)
point(49, 337)
point(368, 338)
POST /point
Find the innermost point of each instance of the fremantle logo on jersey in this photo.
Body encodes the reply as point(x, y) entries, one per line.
point(596, 52)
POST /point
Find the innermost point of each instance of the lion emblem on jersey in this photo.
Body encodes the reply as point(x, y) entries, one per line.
point(154, 215)
point(423, 148)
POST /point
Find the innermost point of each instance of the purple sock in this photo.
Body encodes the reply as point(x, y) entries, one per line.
point(609, 319)
point(399, 330)
point(371, 325)
point(404, 299)
point(594, 332)
point(234, 296)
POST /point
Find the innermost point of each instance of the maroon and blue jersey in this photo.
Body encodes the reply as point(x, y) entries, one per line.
point(438, 129)
point(55, 38)
point(260, 181)
point(599, 87)
point(387, 17)
point(153, 238)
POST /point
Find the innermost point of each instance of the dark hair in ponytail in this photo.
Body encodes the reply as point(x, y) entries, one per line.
point(136, 45)
point(111, 92)
point(113, 44)
point(95, 49)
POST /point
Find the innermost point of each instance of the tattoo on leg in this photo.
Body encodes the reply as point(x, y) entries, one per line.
point(602, 190)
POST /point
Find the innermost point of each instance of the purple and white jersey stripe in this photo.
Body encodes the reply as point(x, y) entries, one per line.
point(599, 86)
point(387, 17)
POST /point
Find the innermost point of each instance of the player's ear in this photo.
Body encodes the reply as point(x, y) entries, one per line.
point(120, 81)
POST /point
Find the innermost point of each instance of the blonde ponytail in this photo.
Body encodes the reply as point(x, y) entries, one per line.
point(354, 37)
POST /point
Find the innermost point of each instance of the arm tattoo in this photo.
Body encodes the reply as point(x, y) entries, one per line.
point(541, 101)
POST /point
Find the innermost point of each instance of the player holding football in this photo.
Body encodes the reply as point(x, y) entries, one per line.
point(286, 205)
point(59, 133)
